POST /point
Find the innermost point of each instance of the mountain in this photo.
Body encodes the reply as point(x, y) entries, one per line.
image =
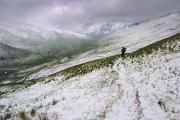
point(39, 39)
point(100, 84)
point(8, 52)
point(132, 38)
point(144, 85)
point(105, 28)
point(26, 49)
point(146, 33)
point(47, 42)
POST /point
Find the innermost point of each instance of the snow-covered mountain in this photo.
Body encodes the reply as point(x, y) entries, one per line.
point(26, 46)
point(35, 38)
point(22, 30)
point(57, 44)
point(104, 28)
point(147, 32)
point(132, 38)
point(145, 85)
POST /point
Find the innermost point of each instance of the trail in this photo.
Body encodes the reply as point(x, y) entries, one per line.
point(138, 101)
point(130, 96)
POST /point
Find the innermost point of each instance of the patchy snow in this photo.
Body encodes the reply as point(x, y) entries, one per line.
point(133, 38)
point(139, 36)
point(130, 90)
point(32, 37)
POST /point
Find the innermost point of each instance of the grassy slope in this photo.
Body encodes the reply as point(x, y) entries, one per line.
point(163, 45)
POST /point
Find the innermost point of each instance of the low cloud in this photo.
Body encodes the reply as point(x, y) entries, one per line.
point(73, 14)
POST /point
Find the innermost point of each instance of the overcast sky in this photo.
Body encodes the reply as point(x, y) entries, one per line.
point(72, 14)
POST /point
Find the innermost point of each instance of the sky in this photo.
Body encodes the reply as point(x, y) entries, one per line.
point(75, 14)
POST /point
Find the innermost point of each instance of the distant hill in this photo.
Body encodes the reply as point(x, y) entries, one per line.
point(8, 52)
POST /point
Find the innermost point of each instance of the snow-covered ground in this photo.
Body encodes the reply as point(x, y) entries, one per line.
point(133, 38)
point(139, 36)
point(130, 90)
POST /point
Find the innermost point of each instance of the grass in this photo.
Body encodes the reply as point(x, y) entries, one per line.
point(37, 61)
point(33, 112)
point(22, 115)
point(164, 44)
point(87, 67)
point(7, 116)
point(43, 116)
point(167, 44)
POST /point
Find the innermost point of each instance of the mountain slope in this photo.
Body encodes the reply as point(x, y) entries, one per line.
point(8, 52)
point(119, 89)
point(146, 33)
point(10, 56)
point(45, 47)
point(145, 85)
point(40, 39)
point(132, 38)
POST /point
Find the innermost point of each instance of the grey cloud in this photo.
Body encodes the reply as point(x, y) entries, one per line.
point(81, 12)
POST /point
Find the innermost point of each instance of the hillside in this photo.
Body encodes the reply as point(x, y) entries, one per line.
point(54, 41)
point(133, 38)
point(109, 88)
point(8, 52)
point(143, 34)
point(9, 56)
point(62, 79)
point(33, 48)
point(55, 50)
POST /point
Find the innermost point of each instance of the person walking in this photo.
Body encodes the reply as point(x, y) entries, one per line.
point(123, 51)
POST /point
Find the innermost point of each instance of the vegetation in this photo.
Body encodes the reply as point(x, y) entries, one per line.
point(7, 116)
point(33, 112)
point(165, 44)
point(32, 62)
point(22, 115)
point(43, 116)
point(88, 67)
point(54, 102)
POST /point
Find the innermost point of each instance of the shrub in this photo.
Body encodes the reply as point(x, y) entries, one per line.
point(33, 112)
point(23, 115)
point(43, 116)
point(7, 116)
point(54, 102)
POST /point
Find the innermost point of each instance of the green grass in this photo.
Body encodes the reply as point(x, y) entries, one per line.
point(37, 61)
point(87, 67)
point(164, 44)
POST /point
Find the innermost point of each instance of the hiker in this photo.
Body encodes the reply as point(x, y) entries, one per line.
point(123, 50)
